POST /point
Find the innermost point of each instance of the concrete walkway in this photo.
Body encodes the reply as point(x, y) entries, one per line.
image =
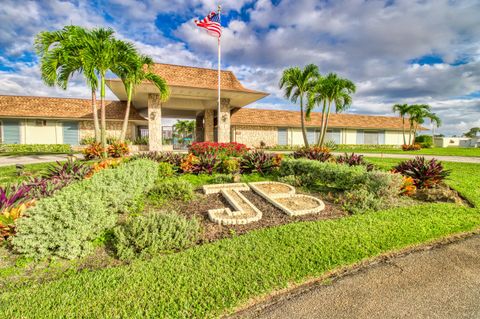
point(33, 159)
point(440, 283)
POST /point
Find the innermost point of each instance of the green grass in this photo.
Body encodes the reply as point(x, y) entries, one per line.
point(447, 151)
point(209, 280)
point(12, 154)
point(8, 174)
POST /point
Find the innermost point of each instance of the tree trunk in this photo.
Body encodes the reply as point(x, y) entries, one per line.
point(403, 130)
point(410, 134)
point(102, 114)
point(127, 114)
point(325, 127)
point(96, 125)
point(302, 121)
point(321, 124)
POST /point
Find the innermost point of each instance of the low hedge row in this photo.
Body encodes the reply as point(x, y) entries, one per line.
point(35, 148)
point(65, 224)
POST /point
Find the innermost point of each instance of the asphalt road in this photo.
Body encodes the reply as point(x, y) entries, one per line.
point(440, 283)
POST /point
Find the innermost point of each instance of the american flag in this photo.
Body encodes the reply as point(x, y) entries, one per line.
point(211, 23)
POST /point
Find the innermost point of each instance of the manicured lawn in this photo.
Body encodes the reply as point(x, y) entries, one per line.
point(447, 151)
point(464, 177)
point(209, 280)
point(11, 154)
point(8, 174)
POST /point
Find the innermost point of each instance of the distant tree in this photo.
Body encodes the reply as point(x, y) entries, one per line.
point(337, 91)
point(317, 97)
point(417, 115)
point(296, 84)
point(434, 120)
point(184, 129)
point(473, 132)
point(402, 110)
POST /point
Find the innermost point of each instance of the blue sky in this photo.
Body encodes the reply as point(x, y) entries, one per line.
point(395, 51)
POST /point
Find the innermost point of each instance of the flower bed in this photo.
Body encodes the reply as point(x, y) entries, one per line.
point(220, 149)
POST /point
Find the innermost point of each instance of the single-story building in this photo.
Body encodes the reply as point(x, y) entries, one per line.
point(49, 120)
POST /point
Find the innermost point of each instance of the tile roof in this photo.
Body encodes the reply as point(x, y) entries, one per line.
point(52, 107)
point(276, 118)
point(189, 76)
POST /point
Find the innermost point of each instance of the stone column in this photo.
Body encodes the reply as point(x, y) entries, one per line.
point(224, 121)
point(199, 128)
point(208, 126)
point(154, 123)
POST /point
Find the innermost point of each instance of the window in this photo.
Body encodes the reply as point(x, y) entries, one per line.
point(370, 137)
point(41, 122)
point(1, 132)
point(282, 136)
point(334, 135)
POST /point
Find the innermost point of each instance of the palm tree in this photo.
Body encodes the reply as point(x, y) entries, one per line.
point(184, 128)
point(60, 58)
point(297, 83)
point(338, 91)
point(135, 72)
point(317, 96)
point(101, 54)
point(402, 110)
point(434, 118)
point(417, 113)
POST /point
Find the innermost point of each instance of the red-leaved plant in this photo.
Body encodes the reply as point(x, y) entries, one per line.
point(220, 149)
point(425, 174)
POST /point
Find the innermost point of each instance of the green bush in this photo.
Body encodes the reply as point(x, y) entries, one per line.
point(230, 165)
point(342, 177)
point(145, 236)
point(171, 189)
point(35, 148)
point(165, 170)
point(65, 224)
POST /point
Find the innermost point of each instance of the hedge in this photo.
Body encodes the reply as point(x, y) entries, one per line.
point(65, 224)
point(35, 148)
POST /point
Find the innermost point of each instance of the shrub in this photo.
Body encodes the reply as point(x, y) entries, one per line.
point(65, 224)
point(230, 166)
point(175, 159)
point(360, 200)
point(437, 194)
point(413, 147)
point(87, 140)
point(69, 170)
point(45, 187)
point(259, 161)
point(321, 154)
point(354, 160)
point(93, 151)
point(36, 148)
point(140, 140)
point(155, 233)
point(104, 164)
point(171, 189)
point(425, 173)
point(408, 187)
point(220, 149)
point(425, 141)
point(331, 145)
point(118, 149)
point(13, 202)
point(206, 163)
point(165, 170)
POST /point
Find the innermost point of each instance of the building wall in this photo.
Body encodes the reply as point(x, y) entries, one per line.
point(114, 129)
point(456, 142)
point(34, 132)
point(252, 136)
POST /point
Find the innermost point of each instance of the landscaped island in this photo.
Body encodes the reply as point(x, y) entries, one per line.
point(196, 235)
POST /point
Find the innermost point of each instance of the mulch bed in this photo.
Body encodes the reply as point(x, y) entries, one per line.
point(272, 216)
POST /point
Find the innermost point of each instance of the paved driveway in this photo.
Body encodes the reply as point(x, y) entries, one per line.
point(439, 283)
point(33, 159)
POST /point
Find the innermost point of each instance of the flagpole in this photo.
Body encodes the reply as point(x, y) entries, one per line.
point(219, 78)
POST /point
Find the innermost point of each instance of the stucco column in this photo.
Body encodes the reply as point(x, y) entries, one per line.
point(208, 126)
point(224, 121)
point(154, 122)
point(199, 128)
